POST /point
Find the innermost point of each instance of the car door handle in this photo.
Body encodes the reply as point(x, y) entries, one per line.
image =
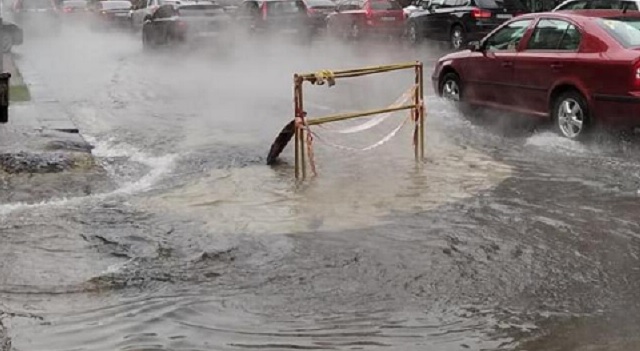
point(556, 65)
point(507, 64)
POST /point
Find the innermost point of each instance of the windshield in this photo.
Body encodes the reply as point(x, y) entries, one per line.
point(626, 31)
point(383, 5)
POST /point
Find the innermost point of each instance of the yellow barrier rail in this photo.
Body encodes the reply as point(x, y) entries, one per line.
point(330, 77)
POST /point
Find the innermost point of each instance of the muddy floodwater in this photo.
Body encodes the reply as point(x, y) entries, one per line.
point(506, 237)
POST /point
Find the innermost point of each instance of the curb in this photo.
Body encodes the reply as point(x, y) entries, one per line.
point(18, 90)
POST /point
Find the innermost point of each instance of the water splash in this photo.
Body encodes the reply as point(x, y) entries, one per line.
point(158, 167)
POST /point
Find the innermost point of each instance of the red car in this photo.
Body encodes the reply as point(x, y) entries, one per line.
point(357, 18)
point(577, 68)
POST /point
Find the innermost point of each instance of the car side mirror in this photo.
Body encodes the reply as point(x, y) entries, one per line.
point(474, 46)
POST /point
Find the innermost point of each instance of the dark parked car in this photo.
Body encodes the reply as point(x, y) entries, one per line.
point(198, 22)
point(459, 21)
point(357, 18)
point(110, 14)
point(294, 17)
point(578, 68)
point(37, 15)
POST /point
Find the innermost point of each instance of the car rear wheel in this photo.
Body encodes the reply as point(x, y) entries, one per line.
point(457, 39)
point(571, 115)
point(413, 33)
point(450, 87)
point(147, 40)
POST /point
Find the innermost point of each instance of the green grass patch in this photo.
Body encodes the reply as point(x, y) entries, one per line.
point(19, 93)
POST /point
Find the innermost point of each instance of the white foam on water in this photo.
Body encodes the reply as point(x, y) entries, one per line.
point(553, 142)
point(159, 166)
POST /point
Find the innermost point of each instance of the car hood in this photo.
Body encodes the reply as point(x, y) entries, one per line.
point(455, 55)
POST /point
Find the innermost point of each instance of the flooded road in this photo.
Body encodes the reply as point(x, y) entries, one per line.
point(507, 237)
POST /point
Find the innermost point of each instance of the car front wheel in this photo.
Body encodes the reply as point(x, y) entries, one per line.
point(571, 115)
point(450, 87)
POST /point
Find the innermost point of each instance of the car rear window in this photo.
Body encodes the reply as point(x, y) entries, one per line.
point(200, 10)
point(626, 31)
point(285, 7)
point(382, 5)
point(115, 5)
point(320, 3)
point(75, 4)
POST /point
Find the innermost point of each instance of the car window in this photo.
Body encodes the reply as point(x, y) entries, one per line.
point(488, 4)
point(115, 5)
point(382, 5)
point(348, 6)
point(75, 4)
point(284, 7)
point(200, 10)
point(507, 37)
point(625, 31)
point(166, 11)
point(250, 8)
point(551, 34)
point(320, 3)
point(611, 5)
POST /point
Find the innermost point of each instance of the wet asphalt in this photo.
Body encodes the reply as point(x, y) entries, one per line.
point(506, 237)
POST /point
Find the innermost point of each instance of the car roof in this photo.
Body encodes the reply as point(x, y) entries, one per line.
point(584, 14)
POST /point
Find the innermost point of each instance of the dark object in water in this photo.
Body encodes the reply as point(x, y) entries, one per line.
point(281, 142)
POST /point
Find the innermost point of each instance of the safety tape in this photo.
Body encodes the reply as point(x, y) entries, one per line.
point(382, 141)
point(376, 120)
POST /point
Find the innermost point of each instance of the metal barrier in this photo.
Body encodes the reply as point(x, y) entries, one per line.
point(303, 133)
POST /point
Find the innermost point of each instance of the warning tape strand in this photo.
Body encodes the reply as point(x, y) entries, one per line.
point(377, 120)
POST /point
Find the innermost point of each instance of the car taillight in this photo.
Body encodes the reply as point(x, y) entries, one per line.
point(480, 13)
point(182, 25)
point(636, 76)
point(264, 11)
point(311, 11)
point(67, 9)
